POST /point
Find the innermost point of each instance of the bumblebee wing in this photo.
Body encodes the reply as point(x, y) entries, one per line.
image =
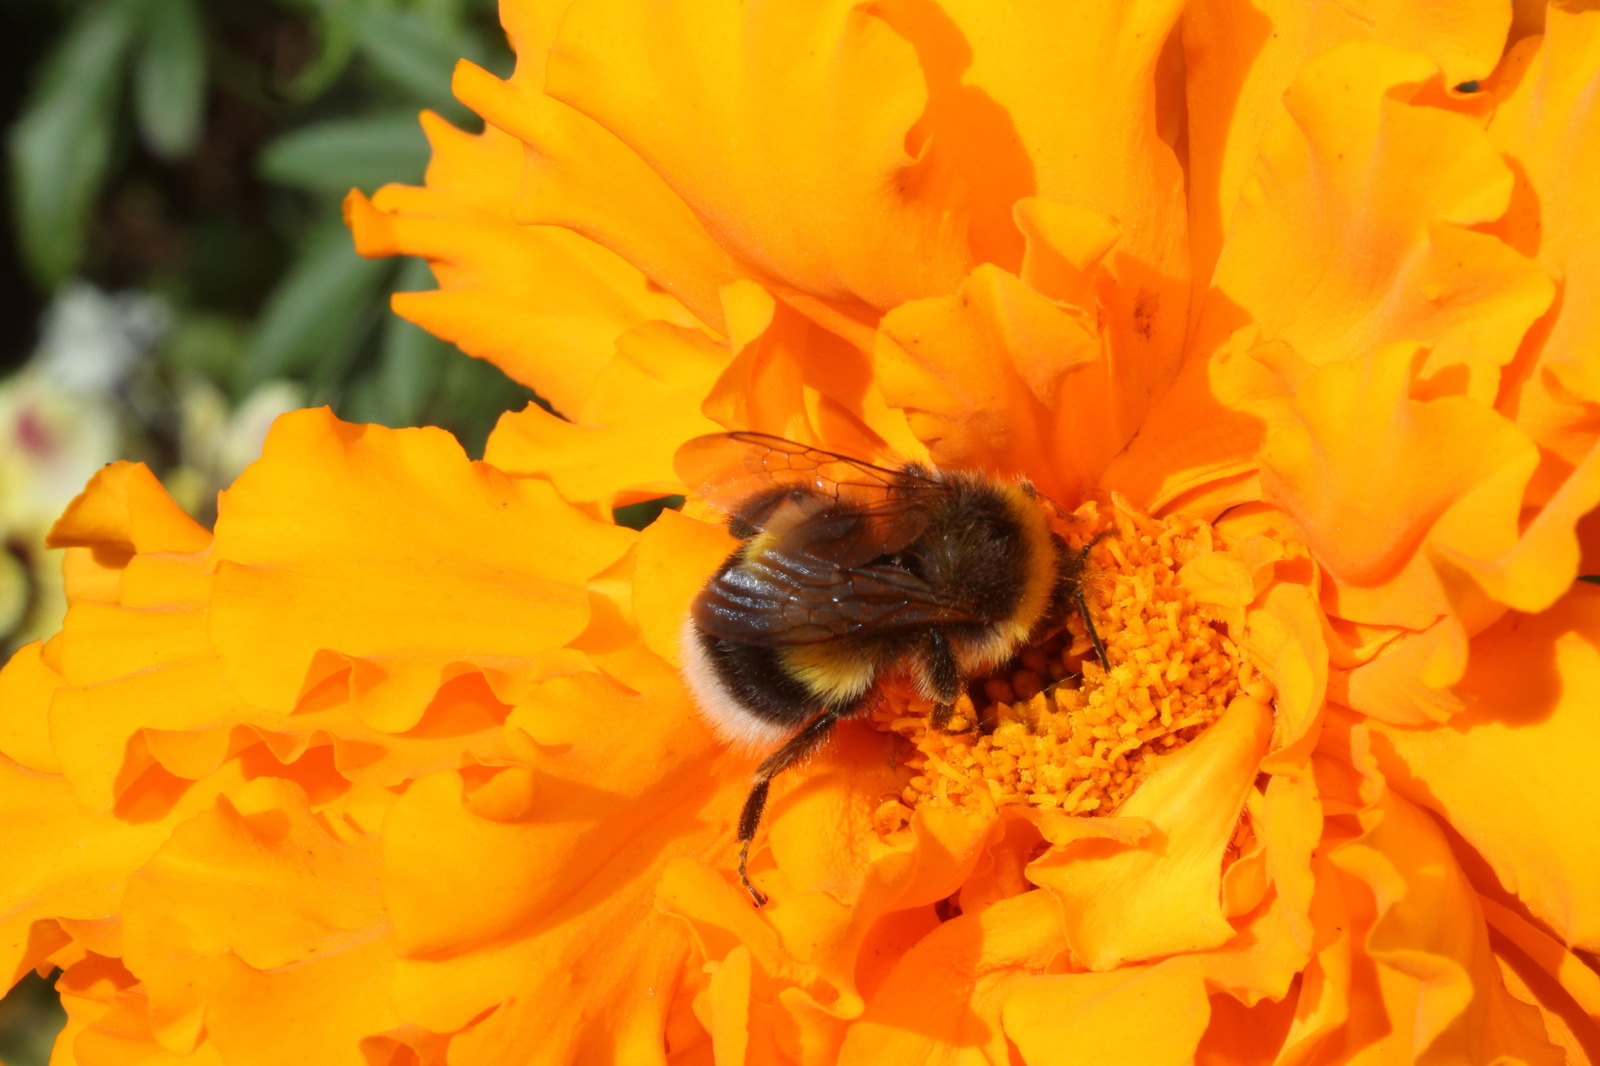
point(777, 601)
point(833, 575)
point(749, 475)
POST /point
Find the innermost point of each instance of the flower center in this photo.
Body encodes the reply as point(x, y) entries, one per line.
point(1052, 728)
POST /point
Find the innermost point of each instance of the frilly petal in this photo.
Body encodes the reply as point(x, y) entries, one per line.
point(1433, 992)
point(994, 378)
point(1528, 728)
point(236, 939)
point(124, 510)
point(559, 852)
point(1006, 97)
point(420, 560)
point(542, 303)
point(784, 130)
point(27, 684)
point(1124, 904)
point(1240, 56)
point(617, 447)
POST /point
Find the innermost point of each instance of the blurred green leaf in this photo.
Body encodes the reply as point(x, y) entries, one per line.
point(61, 145)
point(210, 345)
point(411, 358)
point(471, 397)
point(336, 46)
point(314, 320)
point(169, 77)
point(332, 156)
point(409, 50)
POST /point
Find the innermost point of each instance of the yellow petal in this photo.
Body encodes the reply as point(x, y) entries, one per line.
point(792, 378)
point(784, 130)
point(1378, 195)
point(675, 556)
point(542, 303)
point(26, 686)
point(256, 913)
point(1123, 904)
point(583, 178)
point(1451, 473)
point(1149, 1015)
point(1435, 980)
point(1242, 54)
point(997, 377)
point(418, 560)
point(124, 509)
point(77, 862)
point(1099, 149)
point(618, 445)
point(1547, 124)
point(943, 1002)
point(561, 937)
point(1512, 771)
point(1539, 969)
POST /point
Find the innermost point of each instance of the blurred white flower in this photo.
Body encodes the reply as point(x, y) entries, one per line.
point(92, 341)
point(60, 421)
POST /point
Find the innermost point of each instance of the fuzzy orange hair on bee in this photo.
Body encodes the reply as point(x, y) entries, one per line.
point(846, 571)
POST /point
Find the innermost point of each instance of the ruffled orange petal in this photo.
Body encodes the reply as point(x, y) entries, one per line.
point(476, 568)
point(1513, 771)
point(542, 303)
point(1434, 992)
point(108, 1020)
point(1124, 904)
point(77, 861)
point(1240, 56)
point(785, 132)
point(943, 1002)
point(1376, 194)
point(26, 686)
point(1547, 125)
point(1451, 472)
point(991, 377)
point(1107, 1017)
point(559, 855)
point(1540, 970)
point(237, 941)
point(1030, 68)
point(618, 445)
point(583, 178)
point(793, 378)
point(847, 888)
point(124, 510)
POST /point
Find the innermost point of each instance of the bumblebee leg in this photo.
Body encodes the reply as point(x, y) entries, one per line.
point(942, 675)
point(1088, 624)
point(1073, 574)
point(798, 747)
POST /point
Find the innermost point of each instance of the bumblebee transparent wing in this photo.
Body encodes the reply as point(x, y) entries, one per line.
point(749, 475)
point(781, 601)
point(839, 573)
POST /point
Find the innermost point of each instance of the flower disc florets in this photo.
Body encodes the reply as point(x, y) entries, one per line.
point(1056, 730)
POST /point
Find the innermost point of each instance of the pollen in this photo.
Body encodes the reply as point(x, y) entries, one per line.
point(1054, 729)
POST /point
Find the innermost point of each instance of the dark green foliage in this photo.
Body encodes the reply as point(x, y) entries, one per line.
point(201, 148)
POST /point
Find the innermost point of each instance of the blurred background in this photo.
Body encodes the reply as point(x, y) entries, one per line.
point(174, 272)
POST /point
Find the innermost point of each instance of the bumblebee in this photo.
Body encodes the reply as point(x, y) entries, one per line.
point(847, 571)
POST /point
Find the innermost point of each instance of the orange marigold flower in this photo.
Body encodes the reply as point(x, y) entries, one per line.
point(396, 765)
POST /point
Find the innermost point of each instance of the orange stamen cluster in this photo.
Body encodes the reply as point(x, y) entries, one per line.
point(1054, 729)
